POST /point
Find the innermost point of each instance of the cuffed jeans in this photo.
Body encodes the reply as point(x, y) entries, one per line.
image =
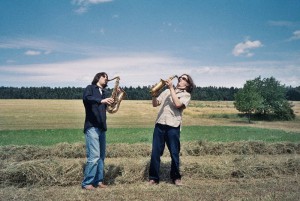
point(164, 134)
point(95, 140)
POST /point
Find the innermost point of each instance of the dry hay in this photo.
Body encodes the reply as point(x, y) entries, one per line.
point(63, 164)
point(30, 152)
point(194, 189)
point(57, 171)
point(22, 153)
point(65, 150)
point(128, 150)
point(197, 148)
point(42, 172)
point(201, 148)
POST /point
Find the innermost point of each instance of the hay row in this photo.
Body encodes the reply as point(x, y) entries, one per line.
point(65, 172)
point(65, 150)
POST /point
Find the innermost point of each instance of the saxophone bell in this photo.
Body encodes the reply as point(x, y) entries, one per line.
point(158, 86)
point(118, 95)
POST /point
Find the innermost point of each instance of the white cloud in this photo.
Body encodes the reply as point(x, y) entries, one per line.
point(115, 16)
point(32, 53)
point(48, 52)
point(281, 23)
point(20, 43)
point(102, 31)
point(10, 61)
point(84, 4)
point(138, 69)
point(134, 70)
point(50, 46)
point(243, 48)
point(98, 1)
point(296, 35)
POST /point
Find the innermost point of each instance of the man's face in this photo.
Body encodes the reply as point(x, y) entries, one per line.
point(103, 81)
point(183, 82)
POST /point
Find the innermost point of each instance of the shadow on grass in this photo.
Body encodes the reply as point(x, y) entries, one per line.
point(164, 174)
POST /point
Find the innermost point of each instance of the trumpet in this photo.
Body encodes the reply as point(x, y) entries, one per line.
point(158, 86)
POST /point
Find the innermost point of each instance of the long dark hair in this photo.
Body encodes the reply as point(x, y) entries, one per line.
point(191, 82)
point(97, 77)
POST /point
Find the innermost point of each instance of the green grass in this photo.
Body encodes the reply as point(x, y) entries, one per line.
point(234, 133)
point(49, 137)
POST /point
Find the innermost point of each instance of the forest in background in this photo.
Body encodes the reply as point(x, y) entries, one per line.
point(132, 93)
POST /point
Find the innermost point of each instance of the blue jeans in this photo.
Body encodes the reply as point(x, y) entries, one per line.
point(95, 140)
point(164, 134)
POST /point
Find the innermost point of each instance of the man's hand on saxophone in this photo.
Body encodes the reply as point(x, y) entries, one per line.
point(107, 101)
point(169, 83)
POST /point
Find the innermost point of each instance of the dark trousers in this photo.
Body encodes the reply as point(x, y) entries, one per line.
point(162, 135)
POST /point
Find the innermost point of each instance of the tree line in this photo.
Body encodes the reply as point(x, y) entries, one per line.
point(132, 93)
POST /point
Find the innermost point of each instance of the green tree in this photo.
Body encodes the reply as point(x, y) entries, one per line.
point(274, 103)
point(248, 99)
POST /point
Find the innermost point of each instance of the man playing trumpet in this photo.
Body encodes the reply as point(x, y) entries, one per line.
point(172, 102)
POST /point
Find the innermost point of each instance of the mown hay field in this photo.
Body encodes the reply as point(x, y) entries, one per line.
point(53, 114)
point(243, 170)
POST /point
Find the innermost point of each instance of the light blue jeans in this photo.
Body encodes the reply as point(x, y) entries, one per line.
point(95, 140)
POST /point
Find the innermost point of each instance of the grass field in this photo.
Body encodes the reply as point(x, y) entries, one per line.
point(222, 156)
point(59, 114)
point(48, 137)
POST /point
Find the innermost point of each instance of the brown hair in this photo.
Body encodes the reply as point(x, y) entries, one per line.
point(191, 84)
point(97, 77)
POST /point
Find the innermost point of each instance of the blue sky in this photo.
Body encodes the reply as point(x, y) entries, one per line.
point(222, 43)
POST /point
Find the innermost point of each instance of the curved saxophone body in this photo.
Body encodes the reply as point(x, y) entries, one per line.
point(158, 86)
point(117, 95)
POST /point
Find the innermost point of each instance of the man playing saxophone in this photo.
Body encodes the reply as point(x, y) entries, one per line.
point(95, 102)
point(172, 102)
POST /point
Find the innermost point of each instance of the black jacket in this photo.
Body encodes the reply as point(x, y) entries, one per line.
point(95, 111)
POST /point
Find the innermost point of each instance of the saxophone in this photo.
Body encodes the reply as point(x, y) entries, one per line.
point(158, 86)
point(117, 95)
